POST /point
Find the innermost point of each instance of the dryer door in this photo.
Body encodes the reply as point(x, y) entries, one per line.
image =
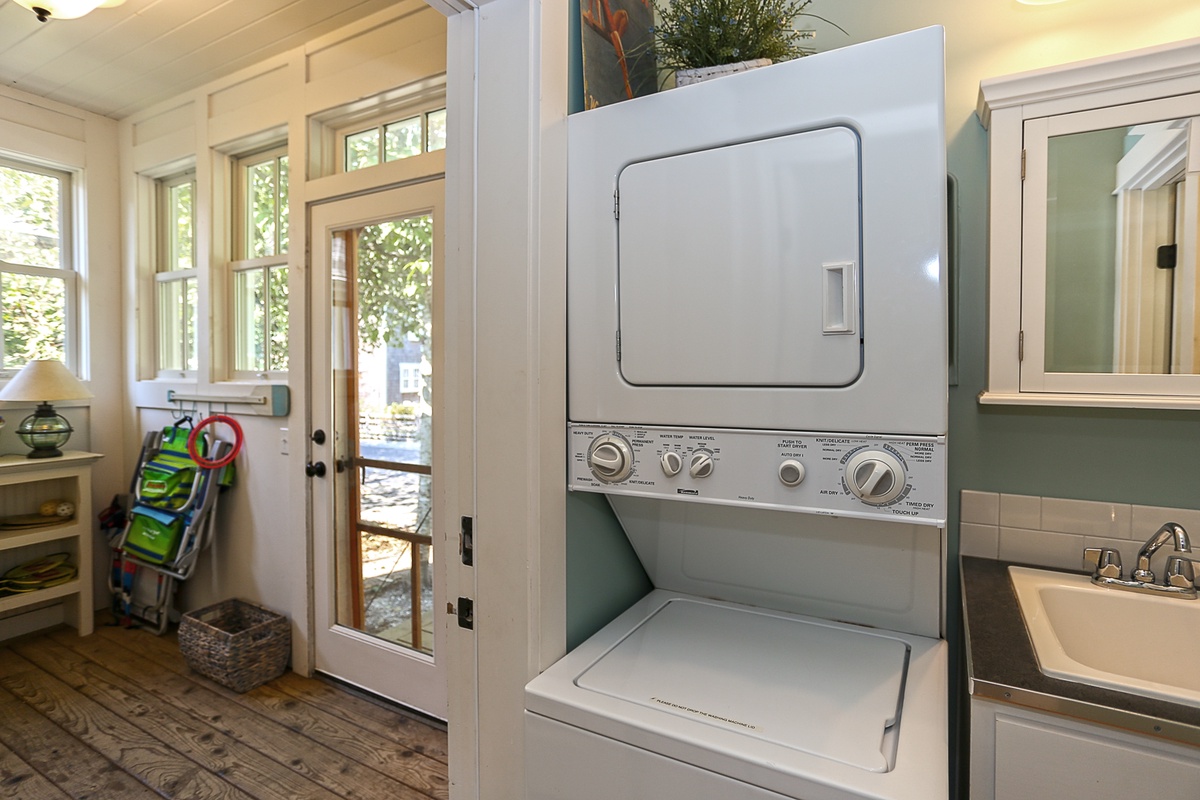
point(740, 265)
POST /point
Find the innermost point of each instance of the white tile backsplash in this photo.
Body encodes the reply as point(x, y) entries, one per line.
point(1086, 517)
point(978, 540)
point(1021, 511)
point(1148, 519)
point(1057, 550)
point(1053, 532)
point(980, 508)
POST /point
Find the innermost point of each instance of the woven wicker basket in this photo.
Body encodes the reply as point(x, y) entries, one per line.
point(235, 643)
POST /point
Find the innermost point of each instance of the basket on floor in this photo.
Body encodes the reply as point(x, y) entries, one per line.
point(237, 644)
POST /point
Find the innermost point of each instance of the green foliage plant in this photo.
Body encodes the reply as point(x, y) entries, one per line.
point(708, 33)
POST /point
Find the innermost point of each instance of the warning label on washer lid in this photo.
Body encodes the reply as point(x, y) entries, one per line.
point(705, 714)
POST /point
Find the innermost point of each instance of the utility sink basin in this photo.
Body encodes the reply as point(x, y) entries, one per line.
point(1129, 641)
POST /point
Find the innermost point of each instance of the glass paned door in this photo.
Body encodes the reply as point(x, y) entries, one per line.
point(388, 396)
point(378, 528)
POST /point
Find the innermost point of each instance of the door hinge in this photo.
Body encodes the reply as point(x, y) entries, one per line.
point(1021, 346)
point(618, 345)
point(466, 541)
point(1022, 165)
point(465, 612)
point(617, 204)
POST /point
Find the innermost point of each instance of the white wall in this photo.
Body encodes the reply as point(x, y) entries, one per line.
point(84, 144)
point(262, 551)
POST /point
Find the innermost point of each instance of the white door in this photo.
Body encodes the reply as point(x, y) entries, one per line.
point(381, 519)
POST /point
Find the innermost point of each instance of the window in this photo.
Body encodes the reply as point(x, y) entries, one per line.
point(176, 274)
point(391, 141)
point(260, 272)
point(37, 278)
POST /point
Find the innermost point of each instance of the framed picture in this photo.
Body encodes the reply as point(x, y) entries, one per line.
point(618, 50)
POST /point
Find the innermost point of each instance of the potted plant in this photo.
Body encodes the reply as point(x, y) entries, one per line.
point(702, 39)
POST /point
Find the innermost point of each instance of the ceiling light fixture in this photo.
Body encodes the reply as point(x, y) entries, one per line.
point(65, 9)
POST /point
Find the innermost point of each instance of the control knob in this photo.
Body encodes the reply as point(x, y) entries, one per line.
point(791, 472)
point(875, 476)
point(610, 458)
point(672, 463)
point(702, 464)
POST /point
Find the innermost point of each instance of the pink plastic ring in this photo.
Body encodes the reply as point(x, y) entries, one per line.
point(220, 462)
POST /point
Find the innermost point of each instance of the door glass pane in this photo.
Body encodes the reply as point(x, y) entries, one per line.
point(386, 558)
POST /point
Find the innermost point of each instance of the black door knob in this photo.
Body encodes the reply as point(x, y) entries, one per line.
point(315, 468)
point(318, 436)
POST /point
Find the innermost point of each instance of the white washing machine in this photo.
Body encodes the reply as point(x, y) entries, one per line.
point(757, 381)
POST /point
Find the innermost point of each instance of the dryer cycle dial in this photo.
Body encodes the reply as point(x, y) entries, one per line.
point(875, 476)
point(610, 458)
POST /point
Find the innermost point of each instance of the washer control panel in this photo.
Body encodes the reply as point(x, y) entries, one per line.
point(823, 473)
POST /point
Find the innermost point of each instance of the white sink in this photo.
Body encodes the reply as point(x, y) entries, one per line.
point(1130, 641)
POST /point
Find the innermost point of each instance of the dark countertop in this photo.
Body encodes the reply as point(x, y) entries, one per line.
point(1002, 667)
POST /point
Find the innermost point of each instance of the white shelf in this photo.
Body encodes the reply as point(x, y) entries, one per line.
point(24, 483)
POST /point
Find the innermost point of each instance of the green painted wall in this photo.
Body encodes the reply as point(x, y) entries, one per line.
point(604, 576)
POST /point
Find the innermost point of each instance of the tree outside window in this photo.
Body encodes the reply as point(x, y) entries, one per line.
point(37, 281)
point(260, 272)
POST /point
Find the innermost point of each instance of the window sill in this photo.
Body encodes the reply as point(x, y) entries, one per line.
point(1089, 400)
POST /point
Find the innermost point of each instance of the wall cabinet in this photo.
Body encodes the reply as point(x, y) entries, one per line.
point(1094, 232)
point(1018, 754)
point(24, 485)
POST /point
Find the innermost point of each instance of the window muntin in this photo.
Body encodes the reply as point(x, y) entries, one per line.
point(259, 269)
point(38, 284)
point(395, 140)
point(176, 275)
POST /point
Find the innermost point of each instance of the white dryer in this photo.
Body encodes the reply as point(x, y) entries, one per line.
point(757, 381)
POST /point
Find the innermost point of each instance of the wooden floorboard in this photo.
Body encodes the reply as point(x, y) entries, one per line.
point(120, 715)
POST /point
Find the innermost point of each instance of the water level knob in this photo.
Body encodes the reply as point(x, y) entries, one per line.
point(702, 464)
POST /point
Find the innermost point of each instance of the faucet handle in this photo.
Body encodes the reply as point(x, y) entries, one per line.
point(1180, 572)
point(1103, 561)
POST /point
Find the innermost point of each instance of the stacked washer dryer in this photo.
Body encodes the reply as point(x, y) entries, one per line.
point(757, 368)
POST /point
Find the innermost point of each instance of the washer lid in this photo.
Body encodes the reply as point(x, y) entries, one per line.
point(799, 684)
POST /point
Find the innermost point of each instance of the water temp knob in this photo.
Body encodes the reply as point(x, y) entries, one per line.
point(875, 476)
point(610, 458)
point(791, 472)
point(672, 463)
point(701, 465)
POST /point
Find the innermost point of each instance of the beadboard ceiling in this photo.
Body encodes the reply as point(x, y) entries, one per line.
point(116, 61)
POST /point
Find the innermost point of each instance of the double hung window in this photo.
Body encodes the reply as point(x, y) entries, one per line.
point(176, 275)
point(259, 268)
point(38, 284)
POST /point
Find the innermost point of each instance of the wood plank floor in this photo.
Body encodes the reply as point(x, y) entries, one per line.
point(120, 715)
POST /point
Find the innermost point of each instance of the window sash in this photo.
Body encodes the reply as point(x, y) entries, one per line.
point(63, 270)
point(369, 146)
point(259, 343)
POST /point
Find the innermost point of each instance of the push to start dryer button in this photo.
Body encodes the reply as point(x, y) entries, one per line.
point(791, 472)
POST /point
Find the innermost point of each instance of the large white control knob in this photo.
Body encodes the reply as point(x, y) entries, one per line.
point(610, 458)
point(875, 476)
point(791, 472)
point(672, 463)
point(702, 464)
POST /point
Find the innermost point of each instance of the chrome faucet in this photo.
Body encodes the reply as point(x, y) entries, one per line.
point(1169, 531)
point(1180, 578)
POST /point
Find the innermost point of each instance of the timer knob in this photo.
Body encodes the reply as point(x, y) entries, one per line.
point(875, 476)
point(791, 472)
point(610, 458)
point(702, 464)
point(672, 463)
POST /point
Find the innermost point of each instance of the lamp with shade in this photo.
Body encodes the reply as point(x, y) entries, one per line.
point(44, 382)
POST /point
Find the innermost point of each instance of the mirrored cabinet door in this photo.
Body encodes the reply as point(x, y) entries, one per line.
point(1093, 256)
